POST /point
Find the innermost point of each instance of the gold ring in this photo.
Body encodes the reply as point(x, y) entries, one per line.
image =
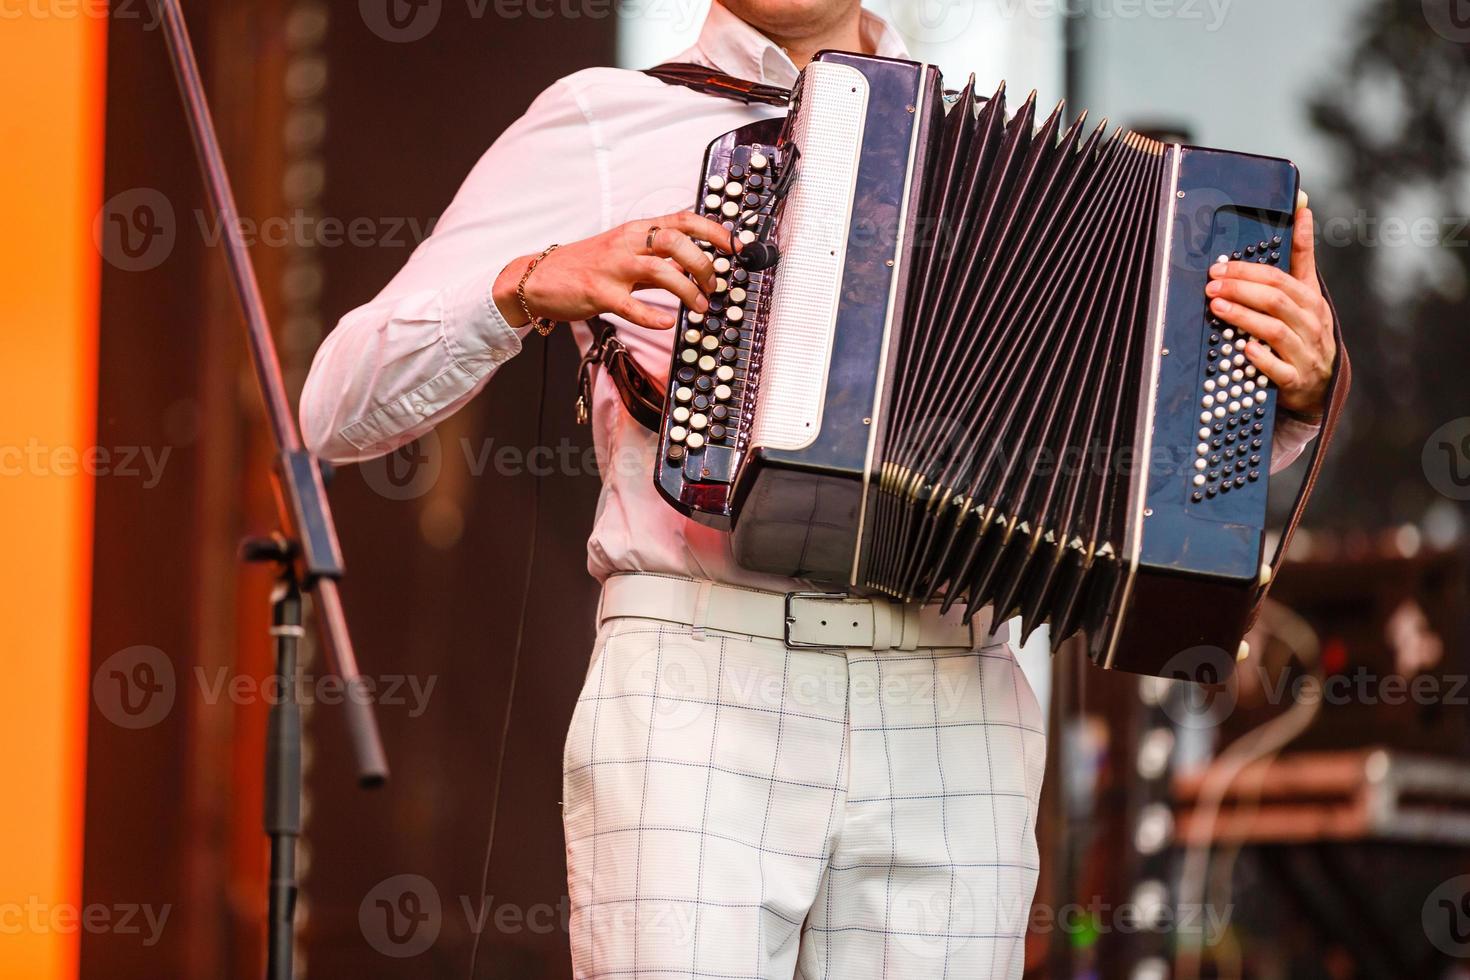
point(648, 243)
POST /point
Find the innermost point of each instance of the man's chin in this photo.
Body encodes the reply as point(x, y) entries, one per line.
point(789, 18)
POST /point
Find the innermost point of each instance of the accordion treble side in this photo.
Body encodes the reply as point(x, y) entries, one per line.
point(983, 370)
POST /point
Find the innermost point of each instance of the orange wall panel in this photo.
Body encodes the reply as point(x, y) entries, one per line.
point(52, 71)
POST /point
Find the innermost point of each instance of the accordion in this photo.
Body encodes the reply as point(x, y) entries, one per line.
point(966, 356)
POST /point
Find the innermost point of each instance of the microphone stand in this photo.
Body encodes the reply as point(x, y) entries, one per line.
point(305, 550)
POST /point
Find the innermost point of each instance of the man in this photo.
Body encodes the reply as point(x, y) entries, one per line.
point(735, 808)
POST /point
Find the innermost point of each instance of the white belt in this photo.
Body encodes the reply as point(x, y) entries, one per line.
point(798, 619)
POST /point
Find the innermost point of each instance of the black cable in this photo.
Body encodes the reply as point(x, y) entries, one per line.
point(515, 665)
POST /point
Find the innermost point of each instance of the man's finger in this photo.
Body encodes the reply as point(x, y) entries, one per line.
point(701, 228)
point(1304, 248)
point(676, 245)
point(1265, 299)
point(1305, 295)
point(1282, 374)
point(653, 271)
point(642, 314)
point(1267, 328)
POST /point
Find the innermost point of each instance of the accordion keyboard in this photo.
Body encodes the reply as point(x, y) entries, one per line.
point(717, 354)
point(1235, 399)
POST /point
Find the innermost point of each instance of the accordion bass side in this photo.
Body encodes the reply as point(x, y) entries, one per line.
point(983, 370)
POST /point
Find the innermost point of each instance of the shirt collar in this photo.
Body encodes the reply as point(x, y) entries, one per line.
point(734, 47)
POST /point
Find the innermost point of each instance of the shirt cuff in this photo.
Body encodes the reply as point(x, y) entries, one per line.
point(1291, 436)
point(476, 334)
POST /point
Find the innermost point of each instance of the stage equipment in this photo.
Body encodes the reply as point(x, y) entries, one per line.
point(982, 368)
point(305, 551)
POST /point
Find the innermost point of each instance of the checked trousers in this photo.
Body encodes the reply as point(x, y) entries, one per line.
point(737, 809)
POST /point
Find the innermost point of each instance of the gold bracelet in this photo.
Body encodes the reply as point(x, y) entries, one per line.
point(541, 324)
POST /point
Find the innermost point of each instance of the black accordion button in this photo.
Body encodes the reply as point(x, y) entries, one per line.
point(731, 335)
point(719, 413)
point(739, 276)
point(1198, 496)
point(727, 353)
point(1254, 475)
point(701, 403)
point(704, 384)
point(676, 453)
point(1240, 481)
point(1277, 241)
point(717, 431)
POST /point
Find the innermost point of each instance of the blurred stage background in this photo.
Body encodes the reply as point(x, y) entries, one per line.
point(1310, 820)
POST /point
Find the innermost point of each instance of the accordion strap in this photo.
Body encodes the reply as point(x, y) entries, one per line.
point(641, 396)
point(643, 399)
point(1337, 392)
point(710, 81)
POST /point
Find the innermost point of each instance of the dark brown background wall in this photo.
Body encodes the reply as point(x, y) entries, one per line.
point(436, 552)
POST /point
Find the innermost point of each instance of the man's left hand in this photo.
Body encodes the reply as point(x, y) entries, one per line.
point(1285, 312)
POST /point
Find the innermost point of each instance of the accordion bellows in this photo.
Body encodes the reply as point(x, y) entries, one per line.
point(1017, 368)
point(984, 370)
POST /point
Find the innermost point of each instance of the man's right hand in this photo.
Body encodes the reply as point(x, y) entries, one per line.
point(599, 274)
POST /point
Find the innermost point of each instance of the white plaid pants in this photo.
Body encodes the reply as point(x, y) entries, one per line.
point(737, 809)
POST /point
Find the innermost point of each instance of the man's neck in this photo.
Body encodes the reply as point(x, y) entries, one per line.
point(844, 34)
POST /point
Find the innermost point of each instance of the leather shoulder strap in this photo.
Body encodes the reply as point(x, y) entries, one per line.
point(640, 394)
point(713, 82)
point(1337, 393)
point(643, 399)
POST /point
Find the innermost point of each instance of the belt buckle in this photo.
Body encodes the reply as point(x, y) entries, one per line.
point(791, 618)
